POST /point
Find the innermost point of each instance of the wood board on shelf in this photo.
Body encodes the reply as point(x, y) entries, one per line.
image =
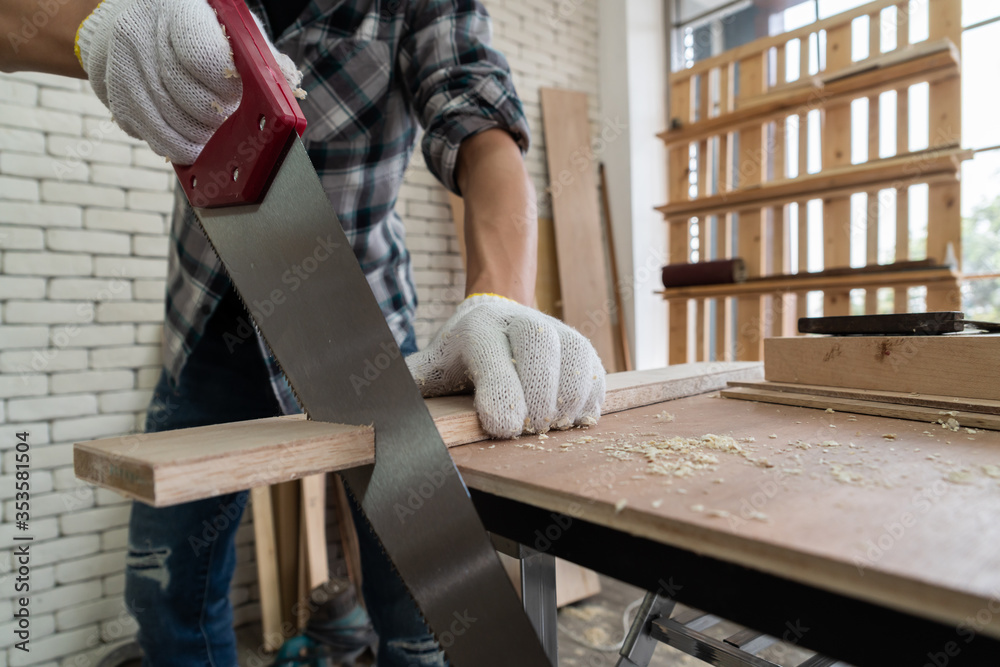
point(172, 467)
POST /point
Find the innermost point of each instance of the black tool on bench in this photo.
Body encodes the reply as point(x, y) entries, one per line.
point(898, 324)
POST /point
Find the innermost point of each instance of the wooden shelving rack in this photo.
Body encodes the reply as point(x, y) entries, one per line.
point(732, 188)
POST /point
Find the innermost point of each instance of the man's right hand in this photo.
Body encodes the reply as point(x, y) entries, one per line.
point(165, 70)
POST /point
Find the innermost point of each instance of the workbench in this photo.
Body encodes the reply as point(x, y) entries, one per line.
point(872, 540)
point(869, 539)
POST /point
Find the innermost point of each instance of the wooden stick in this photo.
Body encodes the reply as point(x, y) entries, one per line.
point(267, 567)
point(348, 534)
point(172, 467)
point(613, 263)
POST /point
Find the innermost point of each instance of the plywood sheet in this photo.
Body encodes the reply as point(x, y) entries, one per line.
point(811, 497)
point(583, 277)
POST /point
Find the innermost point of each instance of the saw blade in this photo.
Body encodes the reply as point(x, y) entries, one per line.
point(295, 270)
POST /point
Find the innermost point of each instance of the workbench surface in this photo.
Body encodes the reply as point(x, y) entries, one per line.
point(902, 514)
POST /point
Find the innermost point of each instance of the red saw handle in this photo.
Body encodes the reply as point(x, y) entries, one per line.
point(238, 162)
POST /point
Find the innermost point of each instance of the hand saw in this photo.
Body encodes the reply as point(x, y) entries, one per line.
point(265, 212)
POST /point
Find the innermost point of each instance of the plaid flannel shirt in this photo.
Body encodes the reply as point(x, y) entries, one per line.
point(373, 71)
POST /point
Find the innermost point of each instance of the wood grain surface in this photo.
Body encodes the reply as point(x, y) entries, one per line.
point(958, 365)
point(171, 467)
point(583, 274)
point(829, 500)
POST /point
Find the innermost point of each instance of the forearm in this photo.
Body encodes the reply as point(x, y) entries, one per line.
point(39, 36)
point(501, 222)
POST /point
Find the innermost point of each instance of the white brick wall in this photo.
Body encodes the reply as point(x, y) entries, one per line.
point(84, 213)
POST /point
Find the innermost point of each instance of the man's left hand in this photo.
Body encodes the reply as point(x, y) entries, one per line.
point(531, 372)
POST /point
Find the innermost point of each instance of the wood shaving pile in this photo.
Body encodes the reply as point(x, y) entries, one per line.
point(678, 456)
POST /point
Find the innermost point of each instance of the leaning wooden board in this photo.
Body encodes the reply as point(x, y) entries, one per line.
point(954, 365)
point(817, 498)
point(172, 467)
point(583, 277)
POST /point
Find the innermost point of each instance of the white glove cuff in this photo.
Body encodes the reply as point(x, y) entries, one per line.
point(86, 33)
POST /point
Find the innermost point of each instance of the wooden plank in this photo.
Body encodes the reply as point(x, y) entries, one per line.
point(267, 567)
point(171, 467)
point(348, 533)
point(803, 126)
point(955, 366)
point(944, 229)
point(836, 152)
point(678, 236)
point(874, 126)
point(548, 295)
point(750, 172)
point(944, 226)
point(874, 34)
point(930, 416)
point(937, 401)
point(679, 239)
point(314, 529)
point(871, 246)
point(902, 25)
point(623, 348)
point(829, 182)
point(576, 214)
point(900, 298)
point(801, 283)
point(801, 297)
point(827, 501)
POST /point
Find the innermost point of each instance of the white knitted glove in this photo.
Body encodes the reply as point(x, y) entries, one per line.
point(165, 70)
point(531, 372)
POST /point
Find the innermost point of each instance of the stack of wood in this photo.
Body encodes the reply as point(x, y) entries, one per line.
point(941, 380)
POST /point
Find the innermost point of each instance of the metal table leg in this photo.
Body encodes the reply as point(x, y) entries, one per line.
point(538, 591)
point(639, 645)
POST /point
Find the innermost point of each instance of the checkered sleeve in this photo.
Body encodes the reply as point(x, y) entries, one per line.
point(458, 83)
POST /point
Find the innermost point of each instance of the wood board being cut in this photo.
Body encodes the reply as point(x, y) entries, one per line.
point(172, 467)
point(960, 365)
point(799, 493)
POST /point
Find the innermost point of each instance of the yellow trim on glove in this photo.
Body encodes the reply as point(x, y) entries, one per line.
point(76, 39)
point(499, 296)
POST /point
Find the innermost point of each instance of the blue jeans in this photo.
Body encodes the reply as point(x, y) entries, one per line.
point(181, 559)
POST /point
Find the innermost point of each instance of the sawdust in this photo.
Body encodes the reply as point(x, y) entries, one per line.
point(597, 636)
point(678, 456)
point(960, 476)
point(664, 417)
point(991, 471)
point(588, 613)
